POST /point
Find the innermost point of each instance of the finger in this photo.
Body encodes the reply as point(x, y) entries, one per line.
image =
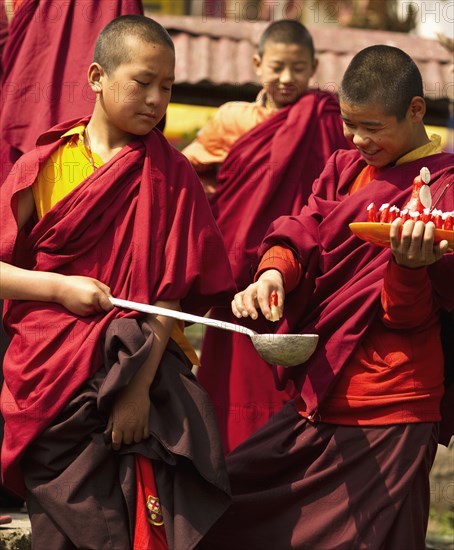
point(238, 306)
point(146, 432)
point(104, 303)
point(415, 248)
point(263, 298)
point(139, 435)
point(407, 232)
point(250, 302)
point(394, 234)
point(428, 250)
point(128, 437)
point(117, 438)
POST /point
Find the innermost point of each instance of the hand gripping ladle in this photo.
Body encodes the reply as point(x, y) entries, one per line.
point(287, 350)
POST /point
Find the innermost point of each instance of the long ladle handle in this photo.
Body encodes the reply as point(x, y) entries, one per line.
point(146, 308)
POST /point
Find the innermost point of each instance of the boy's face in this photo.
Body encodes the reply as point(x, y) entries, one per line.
point(284, 71)
point(136, 94)
point(380, 138)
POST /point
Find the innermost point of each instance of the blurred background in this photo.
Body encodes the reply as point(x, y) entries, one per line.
point(216, 39)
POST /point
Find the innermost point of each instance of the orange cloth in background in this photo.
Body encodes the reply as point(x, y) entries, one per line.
point(229, 123)
point(67, 167)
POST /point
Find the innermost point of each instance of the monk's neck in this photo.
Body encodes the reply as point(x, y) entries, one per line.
point(103, 139)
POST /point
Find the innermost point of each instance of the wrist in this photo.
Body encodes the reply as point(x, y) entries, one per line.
point(272, 274)
point(56, 287)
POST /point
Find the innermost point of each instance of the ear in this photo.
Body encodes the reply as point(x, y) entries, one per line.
point(417, 109)
point(95, 76)
point(314, 66)
point(257, 62)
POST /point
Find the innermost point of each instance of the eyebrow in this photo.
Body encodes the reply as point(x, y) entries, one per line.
point(153, 74)
point(365, 122)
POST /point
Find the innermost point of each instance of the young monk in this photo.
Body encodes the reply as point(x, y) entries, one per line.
point(346, 464)
point(108, 435)
point(289, 134)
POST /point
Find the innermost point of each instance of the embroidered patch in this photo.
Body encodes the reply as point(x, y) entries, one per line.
point(154, 513)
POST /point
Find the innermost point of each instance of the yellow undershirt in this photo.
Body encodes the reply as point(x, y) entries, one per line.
point(432, 148)
point(65, 169)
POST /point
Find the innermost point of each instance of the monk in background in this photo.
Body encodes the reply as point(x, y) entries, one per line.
point(269, 154)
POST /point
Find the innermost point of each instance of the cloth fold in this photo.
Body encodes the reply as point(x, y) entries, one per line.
point(184, 448)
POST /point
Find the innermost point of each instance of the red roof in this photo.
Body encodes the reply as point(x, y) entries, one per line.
point(216, 51)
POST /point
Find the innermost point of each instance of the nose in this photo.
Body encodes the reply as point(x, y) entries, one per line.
point(152, 96)
point(286, 76)
point(360, 139)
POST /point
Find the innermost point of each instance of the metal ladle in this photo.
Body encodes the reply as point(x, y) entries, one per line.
point(287, 350)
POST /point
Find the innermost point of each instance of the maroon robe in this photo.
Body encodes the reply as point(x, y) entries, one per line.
point(45, 62)
point(343, 277)
point(268, 173)
point(298, 484)
point(140, 224)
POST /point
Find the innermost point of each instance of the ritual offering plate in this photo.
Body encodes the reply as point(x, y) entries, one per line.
point(378, 233)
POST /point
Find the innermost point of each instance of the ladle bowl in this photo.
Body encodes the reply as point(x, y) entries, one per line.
point(287, 350)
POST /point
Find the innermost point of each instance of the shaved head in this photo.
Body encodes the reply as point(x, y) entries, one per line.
point(382, 75)
point(111, 48)
point(287, 31)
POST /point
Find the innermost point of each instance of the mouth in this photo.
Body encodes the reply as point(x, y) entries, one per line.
point(287, 91)
point(369, 155)
point(147, 116)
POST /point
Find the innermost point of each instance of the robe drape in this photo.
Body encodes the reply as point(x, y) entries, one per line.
point(141, 225)
point(269, 172)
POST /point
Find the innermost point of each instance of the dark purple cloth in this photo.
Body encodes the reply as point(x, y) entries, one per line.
point(303, 486)
point(73, 475)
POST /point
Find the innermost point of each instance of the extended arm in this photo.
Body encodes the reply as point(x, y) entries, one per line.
point(80, 295)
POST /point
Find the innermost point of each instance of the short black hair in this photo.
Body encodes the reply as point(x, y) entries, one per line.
point(382, 75)
point(111, 49)
point(287, 31)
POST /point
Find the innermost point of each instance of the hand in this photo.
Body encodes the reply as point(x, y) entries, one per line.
point(83, 295)
point(129, 417)
point(257, 295)
point(415, 246)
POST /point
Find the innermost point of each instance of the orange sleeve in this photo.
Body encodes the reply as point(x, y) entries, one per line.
point(283, 260)
point(215, 139)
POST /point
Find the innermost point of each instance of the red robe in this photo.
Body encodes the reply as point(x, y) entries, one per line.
point(340, 292)
point(45, 62)
point(140, 224)
point(268, 173)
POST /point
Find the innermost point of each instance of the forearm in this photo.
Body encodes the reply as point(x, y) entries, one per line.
point(162, 328)
point(23, 284)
